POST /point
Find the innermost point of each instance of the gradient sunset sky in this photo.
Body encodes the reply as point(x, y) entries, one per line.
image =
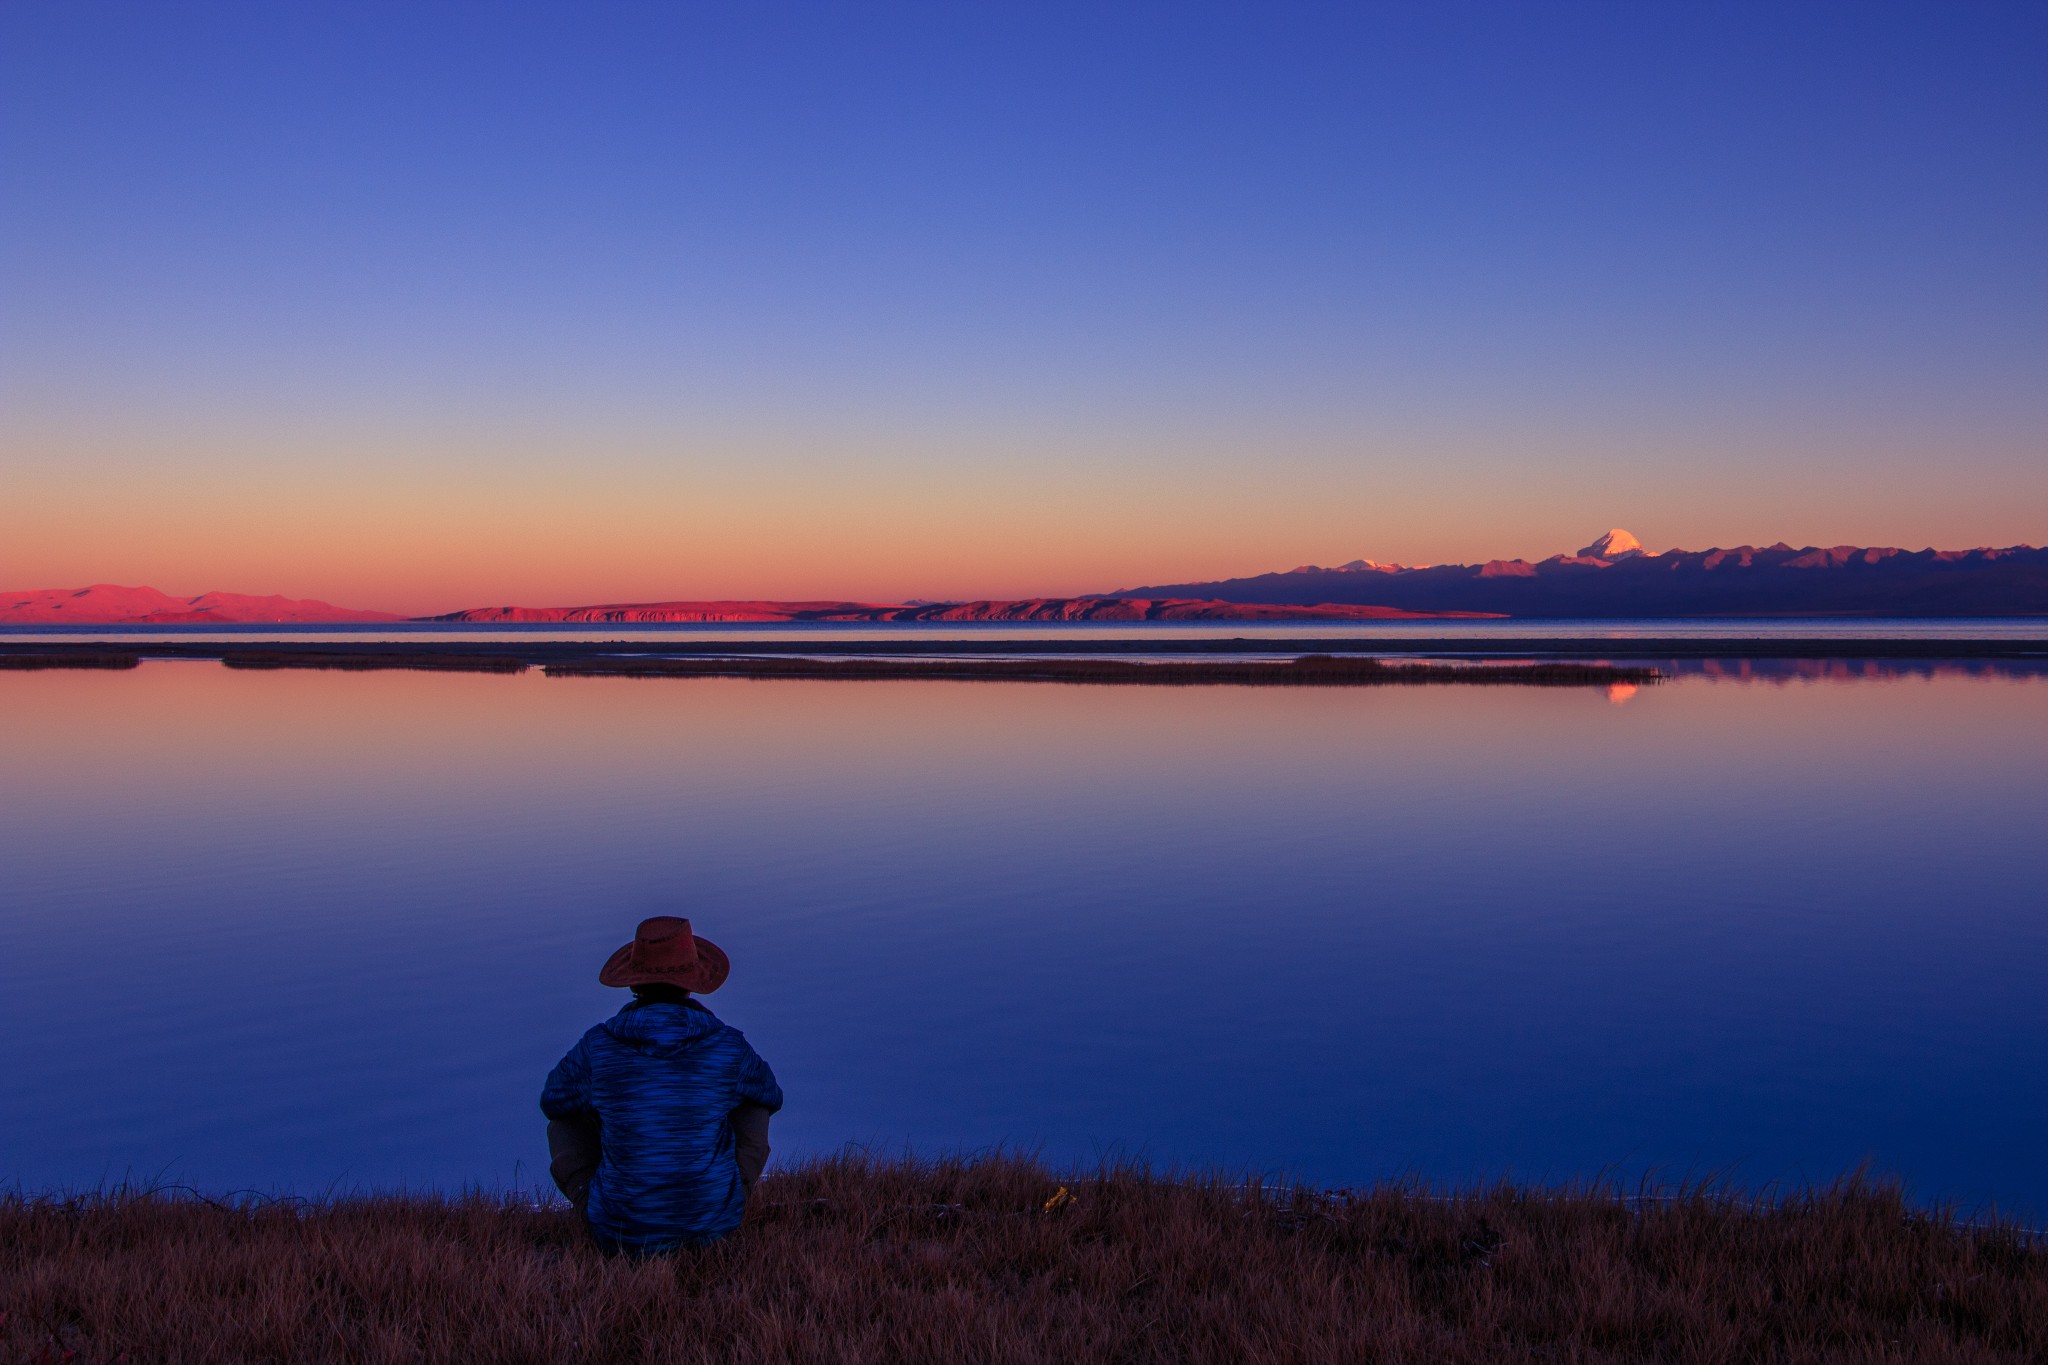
point(424, 306)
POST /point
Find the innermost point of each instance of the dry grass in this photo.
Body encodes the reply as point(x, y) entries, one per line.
point(859, 1260)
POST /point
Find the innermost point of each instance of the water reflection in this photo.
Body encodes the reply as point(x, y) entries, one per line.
point(1852, 670)
point(264, 929)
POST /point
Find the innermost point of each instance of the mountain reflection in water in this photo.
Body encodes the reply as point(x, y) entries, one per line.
point(266, 929)
point(1853, 670)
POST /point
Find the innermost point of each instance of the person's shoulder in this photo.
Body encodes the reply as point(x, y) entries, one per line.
point(717, 1030)
point(726, 1032)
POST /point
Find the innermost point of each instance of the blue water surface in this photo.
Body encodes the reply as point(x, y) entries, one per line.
point(312, 931)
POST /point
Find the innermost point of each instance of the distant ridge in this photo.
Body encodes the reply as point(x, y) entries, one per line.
point(109, 604)
point(1616, 577)
point(1027, 609)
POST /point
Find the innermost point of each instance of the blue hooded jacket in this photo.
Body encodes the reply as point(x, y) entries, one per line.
point(663, 1079)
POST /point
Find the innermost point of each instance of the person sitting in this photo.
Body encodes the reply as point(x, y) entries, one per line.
point(658, 1118)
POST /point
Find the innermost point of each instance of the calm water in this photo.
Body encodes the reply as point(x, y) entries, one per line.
point(308, 930)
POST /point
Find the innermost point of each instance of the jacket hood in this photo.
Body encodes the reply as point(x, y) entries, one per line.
point(660, 1028)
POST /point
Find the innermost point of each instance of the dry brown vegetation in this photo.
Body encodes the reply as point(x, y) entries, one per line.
point(1312, 670)
point(982, 1260)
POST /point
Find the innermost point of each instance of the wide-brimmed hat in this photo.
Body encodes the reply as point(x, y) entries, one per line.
point(665, 952)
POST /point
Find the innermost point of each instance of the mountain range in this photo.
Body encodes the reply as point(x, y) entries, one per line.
point(1616, 577)
point(1027, 609)
point(111, 604)
point(1612, 577)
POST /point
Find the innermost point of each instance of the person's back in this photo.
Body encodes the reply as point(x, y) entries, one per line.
point(644, 1109)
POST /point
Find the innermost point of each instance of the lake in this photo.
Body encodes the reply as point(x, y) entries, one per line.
point(314, 931)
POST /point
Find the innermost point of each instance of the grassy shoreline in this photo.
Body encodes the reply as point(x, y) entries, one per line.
point(854, 1259)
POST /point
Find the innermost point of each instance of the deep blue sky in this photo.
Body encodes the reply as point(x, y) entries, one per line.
point(423, 301)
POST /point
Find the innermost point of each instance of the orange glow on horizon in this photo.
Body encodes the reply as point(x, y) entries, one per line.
point(377, 520)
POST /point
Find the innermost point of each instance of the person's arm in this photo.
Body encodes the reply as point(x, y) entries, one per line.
point(575, 1145)
point(755, 1082)
point(567, 1092)
point(575, 1141)
point(750, 1141)
point(759, 1096)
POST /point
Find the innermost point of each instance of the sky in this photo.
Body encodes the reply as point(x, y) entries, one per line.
point(427, 305)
